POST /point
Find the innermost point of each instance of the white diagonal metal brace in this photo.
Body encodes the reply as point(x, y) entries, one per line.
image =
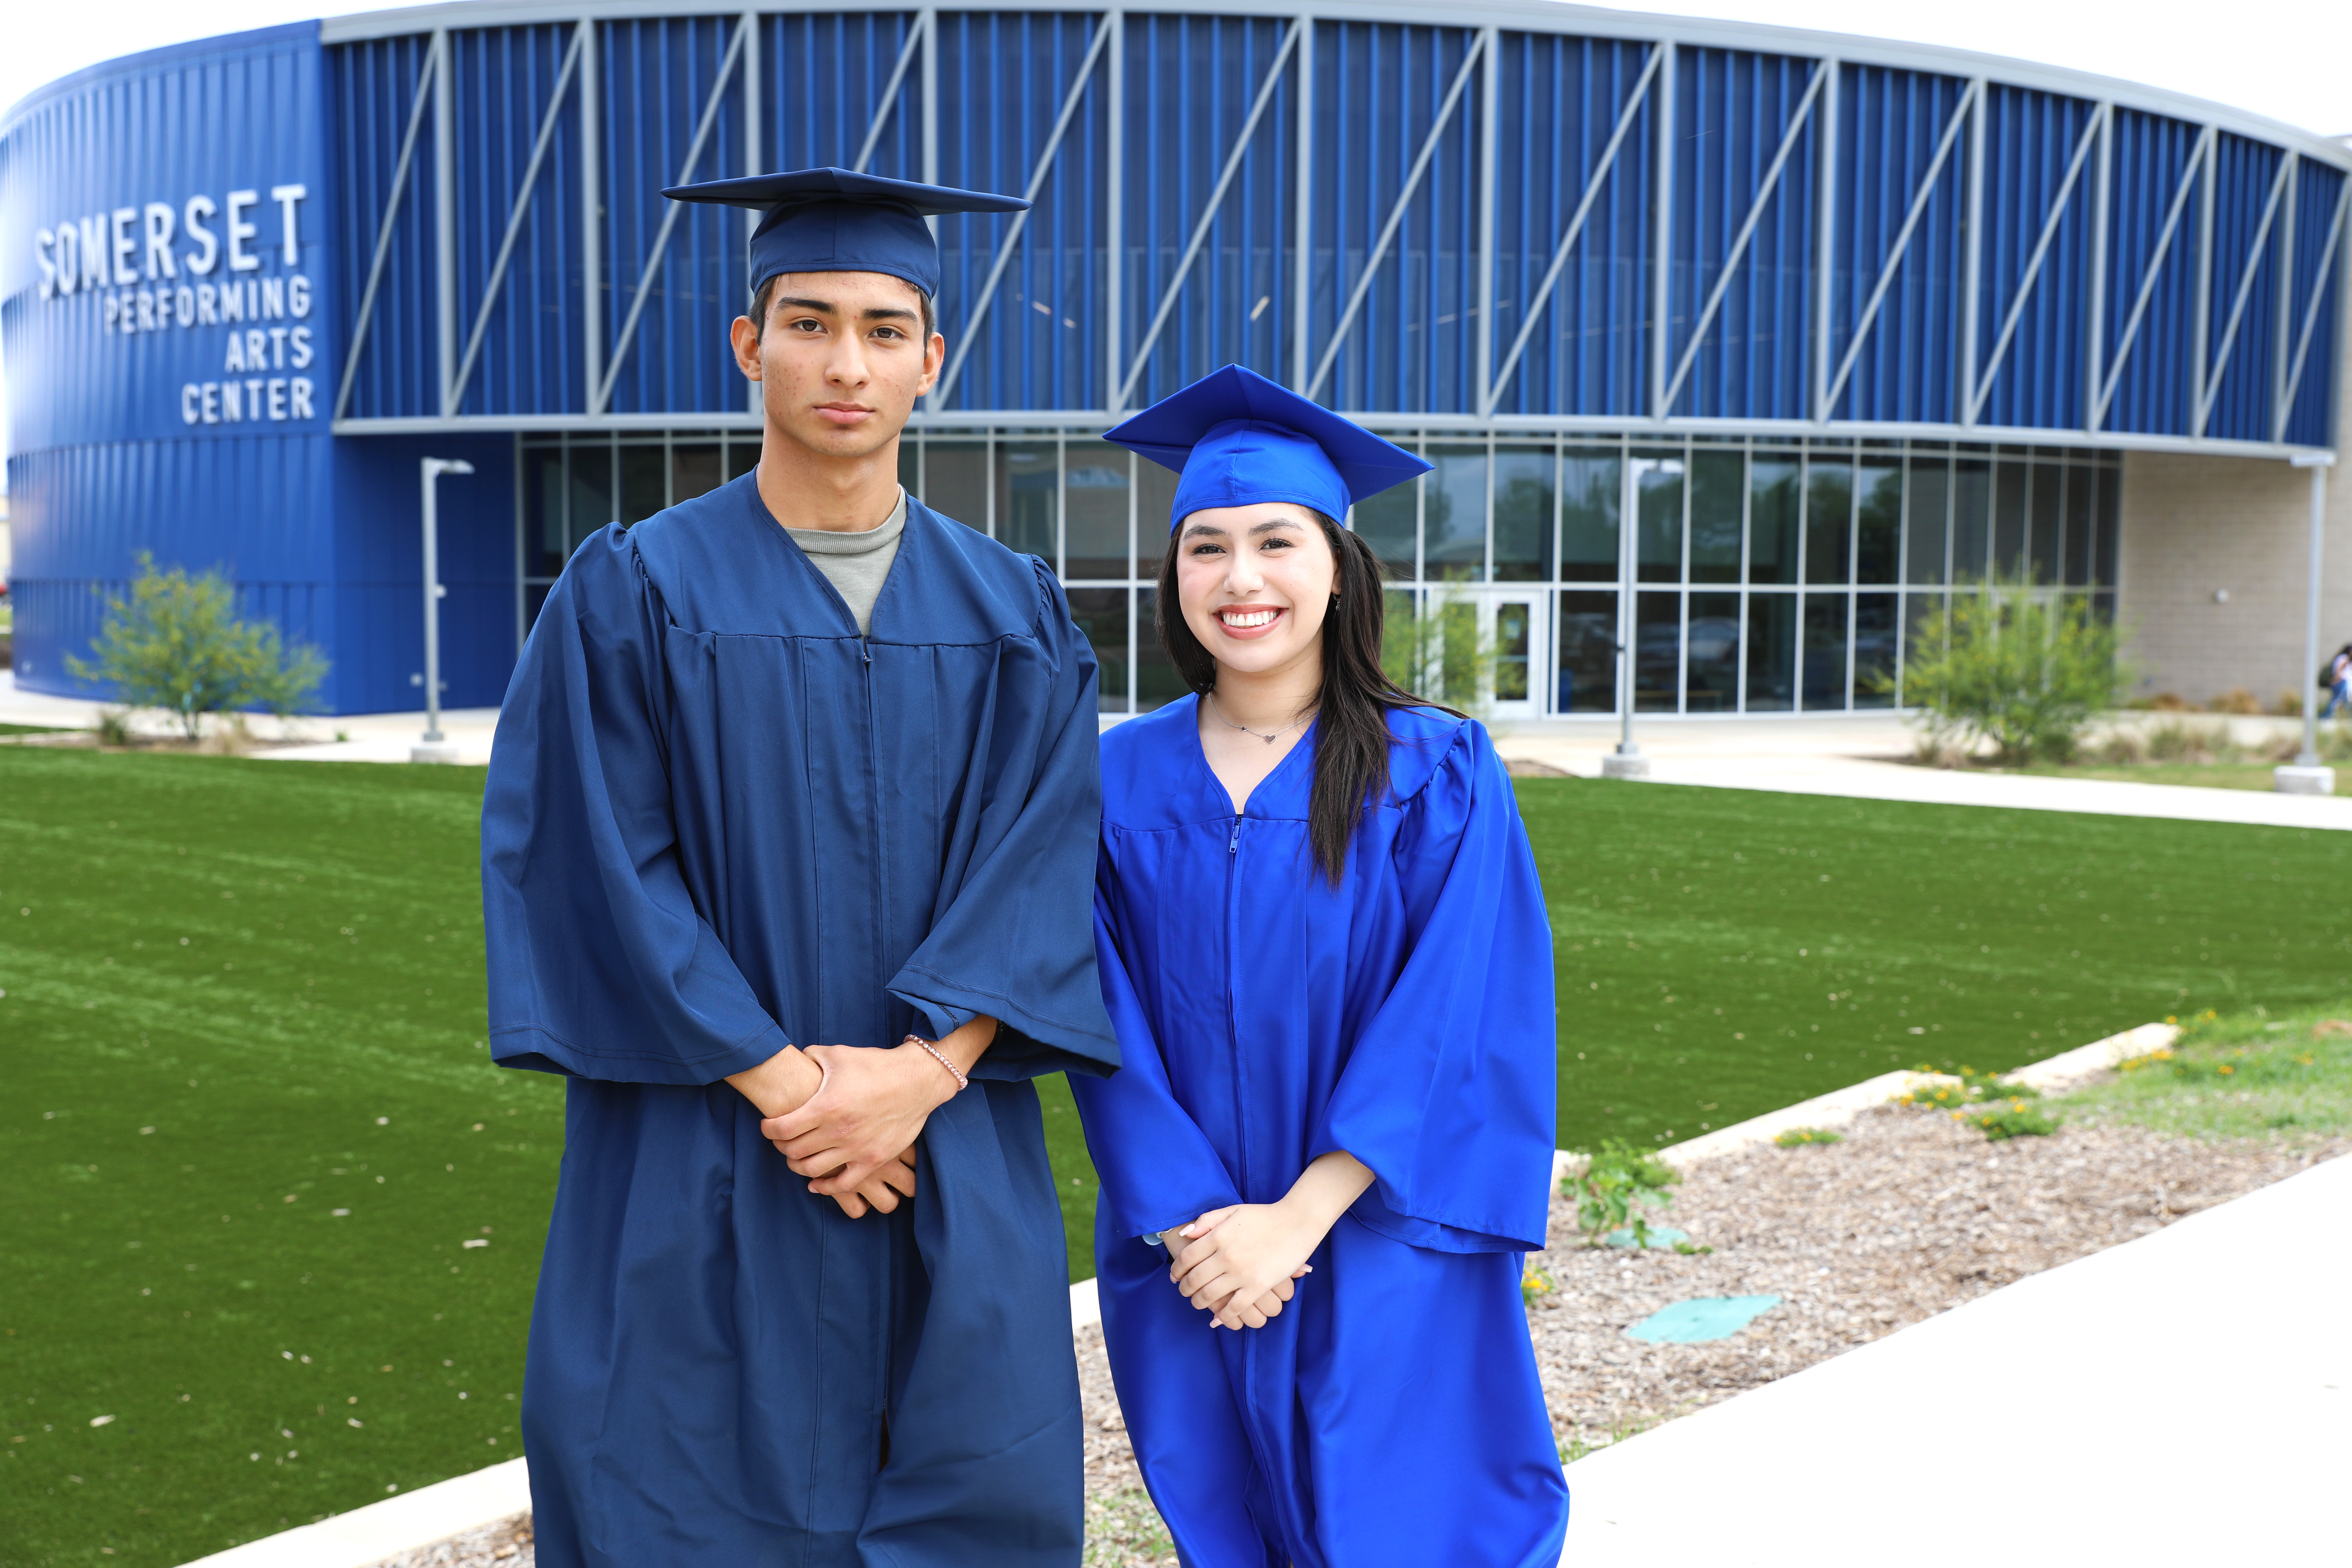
point(2049, 225)
point(1012, 240)
point(1209, 212)
point(457, 394)
point(2336, 228)
point(888, 101)
point(1895, 253)
point(2212, 387)
point(1540, 301)
point(1738, 250)
point(366, 316)
point(669, 219)
point(2197, 156)
point(1396, 216)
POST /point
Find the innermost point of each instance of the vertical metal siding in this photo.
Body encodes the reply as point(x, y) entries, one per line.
point(371, 89)
point(2153, 391)
point(1892, 125)
point(2030, 145)
point(824, 75)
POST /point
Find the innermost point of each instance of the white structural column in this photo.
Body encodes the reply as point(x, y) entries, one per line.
point(755, 127)
point(364, 317)
point(1662, 252)
point(1825, 251)
point(444, 218)
point(2283, 324)
point(2307, 776)
point(1490, 90)
point(2094, 336)
point(592, 217)
point(1972, 262)
point(1115, 233)
point(1302, 254)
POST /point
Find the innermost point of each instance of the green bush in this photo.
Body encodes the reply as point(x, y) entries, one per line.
point(177, 644)
point(2021, 667)
point(1618, 1181)
point(1798, 1137)
point(1434, 649)
point(2015, 1119)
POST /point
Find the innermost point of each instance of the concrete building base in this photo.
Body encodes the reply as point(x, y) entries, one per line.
point(1617, 765)
point(2293, 780)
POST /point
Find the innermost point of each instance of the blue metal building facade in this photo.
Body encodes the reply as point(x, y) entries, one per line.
point(1737, 344)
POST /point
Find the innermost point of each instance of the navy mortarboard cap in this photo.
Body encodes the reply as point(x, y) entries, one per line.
point(1239, 439)
point(835, 220)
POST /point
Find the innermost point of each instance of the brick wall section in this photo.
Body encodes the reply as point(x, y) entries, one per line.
point(2192, 525)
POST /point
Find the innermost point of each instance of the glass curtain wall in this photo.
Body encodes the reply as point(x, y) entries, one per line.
point(1761, 575)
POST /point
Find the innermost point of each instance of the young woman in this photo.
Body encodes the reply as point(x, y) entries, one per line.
point(1324, 950)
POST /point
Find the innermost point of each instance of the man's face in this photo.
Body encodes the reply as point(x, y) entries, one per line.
point(840, 359)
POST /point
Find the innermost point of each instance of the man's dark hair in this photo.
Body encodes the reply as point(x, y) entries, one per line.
point(766, 292)
point(1351, 728)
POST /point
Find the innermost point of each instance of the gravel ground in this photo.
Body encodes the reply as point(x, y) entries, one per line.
point(1911, 1215)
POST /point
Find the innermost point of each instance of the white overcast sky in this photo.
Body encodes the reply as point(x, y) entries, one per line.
point(2290, 60)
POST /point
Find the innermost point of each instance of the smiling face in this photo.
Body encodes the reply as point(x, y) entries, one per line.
point(1255, 583)
point(840, 359)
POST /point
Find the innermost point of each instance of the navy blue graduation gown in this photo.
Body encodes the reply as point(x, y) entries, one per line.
point(719, 821)
point(1390, 1416)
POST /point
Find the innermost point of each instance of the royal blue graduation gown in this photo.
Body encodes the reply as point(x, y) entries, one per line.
point(1390, 1416)
point(718, 822)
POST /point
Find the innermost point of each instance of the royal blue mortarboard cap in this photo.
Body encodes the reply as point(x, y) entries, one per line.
point(1238, 440)
point(836, 220)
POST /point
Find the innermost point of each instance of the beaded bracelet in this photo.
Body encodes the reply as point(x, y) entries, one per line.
point(939, 1056)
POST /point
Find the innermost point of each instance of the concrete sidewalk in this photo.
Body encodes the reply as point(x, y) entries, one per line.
point(368, 737)
point(2183, 1398)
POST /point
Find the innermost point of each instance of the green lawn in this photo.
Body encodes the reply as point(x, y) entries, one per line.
point(2251, 1074)
point(260, 959)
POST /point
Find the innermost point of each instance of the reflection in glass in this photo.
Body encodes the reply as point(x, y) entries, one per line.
point(544, 529)
point(1155, 498)
point(1453, 520)
point(1587, 681)
point(2047, 521)
point(1772, 652)
point(1523, 514)
point(2103, 554)
point(1718, 487)
point(1876, 631)
point(645, 483)
point(1971, 520)
point(1658, 517)
point(1592, 488)
point(1512, 629)
point(1711, 669)
point(1101, 615)
point(1772, 520)
point(1829, 520)
point(1029, 497)
point(2080, 479)
point(693, 471)
point(1096, 491)
point(743, 457)
point(911, 468)
point(1657, 652)
point(1458, 653)
point(955, 481)
point(1825, 661)
point(2008, 519)
point(1919, 612)
point(591, 490)
point(1157, 683)
point(1931, 495)
point(1878, 523)
point(1388, 522)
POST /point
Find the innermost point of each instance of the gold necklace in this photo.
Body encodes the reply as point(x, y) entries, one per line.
point(1261, 735)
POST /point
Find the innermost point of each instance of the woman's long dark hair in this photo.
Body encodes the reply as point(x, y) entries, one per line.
point(1351, 729)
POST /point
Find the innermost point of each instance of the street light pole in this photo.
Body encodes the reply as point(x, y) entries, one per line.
point(1627, 761)
point(2306, 776)
point(434, 747)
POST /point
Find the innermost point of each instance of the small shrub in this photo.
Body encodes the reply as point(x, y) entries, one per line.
point(2171, 703)
point(114, 727)
point(1618, 1182)
point(1687, 1250)
point(2016, 1118)
point(2176, 742)
point(2021, 667)
point(1535, 1282)
point(2237, 700)
point(177, 644)
point(1798, 1137)
point(2125, 748)
point(2289, 704)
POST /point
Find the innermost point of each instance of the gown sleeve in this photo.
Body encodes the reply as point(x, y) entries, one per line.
point(1013, 940)
point(1159, 1170)
point(1449, 1093)
point(600, 965)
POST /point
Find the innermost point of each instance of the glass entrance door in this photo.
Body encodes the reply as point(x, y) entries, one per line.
point(1510, 629)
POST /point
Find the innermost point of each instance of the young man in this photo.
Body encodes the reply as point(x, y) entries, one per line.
point(788, 833)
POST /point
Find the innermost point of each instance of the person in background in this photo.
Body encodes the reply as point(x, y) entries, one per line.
point(786, 841)
point(1324, 948)
point(2338, 682)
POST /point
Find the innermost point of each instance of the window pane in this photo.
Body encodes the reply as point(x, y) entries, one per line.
point(1772, 652)
point(1155, 497)
point(1931, 494)
point(743, 457)
point(1879, 522)
point(1919, 612)
point(1658, 519)
point(2080, 479)
point(1156, 681)
point(1523, 514)
point(1824, 676)
point(1592, 488)
point(1971, 520)
point(534, 596)
point(1101, 615)
point(1028, 495)
point(1718, 481)
point(1657, 652)
point(693, 471)
point(1409, 648)
point(2110, 498)
point(955, 481)
point(645, 483)
point(1388, 523)
point(1587, 678)
point(545, 545)
point(1096, 492)
point(1875, 628)
point(1513, 624)
point(910, 466)
point(1453, 542)
point(1711, 673)
point(1772, 520)
point(591, 468)
point(1829, 521)
point(2008, 519)
point(2047, 521)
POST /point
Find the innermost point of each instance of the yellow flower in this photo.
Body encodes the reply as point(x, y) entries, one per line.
point(2227, 1068)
